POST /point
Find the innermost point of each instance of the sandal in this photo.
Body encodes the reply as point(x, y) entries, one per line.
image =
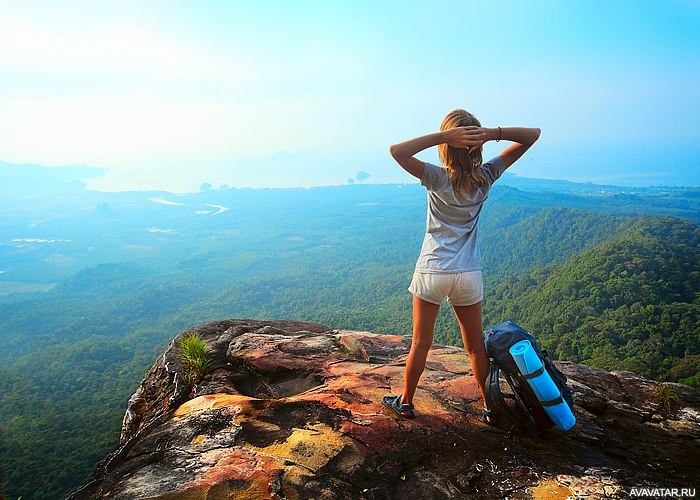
point(488, 417)
point(401, 409)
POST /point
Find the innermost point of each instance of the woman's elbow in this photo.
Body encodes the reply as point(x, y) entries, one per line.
point(393, 150)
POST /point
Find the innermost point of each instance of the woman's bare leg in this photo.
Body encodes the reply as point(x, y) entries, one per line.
point(470, 324)
point(424, 316)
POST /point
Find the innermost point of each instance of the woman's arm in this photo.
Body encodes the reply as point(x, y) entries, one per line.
point(522, 138)
point(459, 137)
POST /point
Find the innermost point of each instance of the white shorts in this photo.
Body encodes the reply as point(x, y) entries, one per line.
point(461, 289)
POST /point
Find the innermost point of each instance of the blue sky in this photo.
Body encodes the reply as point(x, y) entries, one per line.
point(170, 94)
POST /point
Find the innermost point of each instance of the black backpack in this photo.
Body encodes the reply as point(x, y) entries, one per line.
point(512, 402)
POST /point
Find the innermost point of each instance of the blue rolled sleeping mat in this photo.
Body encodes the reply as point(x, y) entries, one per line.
point(542, 385)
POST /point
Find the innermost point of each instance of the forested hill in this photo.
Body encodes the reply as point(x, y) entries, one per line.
point(632, 303)
point(550, 235)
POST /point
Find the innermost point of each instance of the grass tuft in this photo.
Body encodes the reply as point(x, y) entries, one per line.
point(194, 358)
point(667, 397)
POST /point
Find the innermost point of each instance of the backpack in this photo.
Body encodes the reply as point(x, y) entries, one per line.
point(510, 398)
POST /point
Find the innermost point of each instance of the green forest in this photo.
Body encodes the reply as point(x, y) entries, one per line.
point(611, 280)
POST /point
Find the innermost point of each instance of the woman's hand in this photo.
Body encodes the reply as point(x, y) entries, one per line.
point(471, 137)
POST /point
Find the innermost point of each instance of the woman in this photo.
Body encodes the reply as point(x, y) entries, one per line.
point(450, 262)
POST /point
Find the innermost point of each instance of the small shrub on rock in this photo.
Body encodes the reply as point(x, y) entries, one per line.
point(193, 356)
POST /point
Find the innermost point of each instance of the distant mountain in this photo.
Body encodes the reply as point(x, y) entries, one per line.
point(21, 179)
point(63, 173)
point(580, 188)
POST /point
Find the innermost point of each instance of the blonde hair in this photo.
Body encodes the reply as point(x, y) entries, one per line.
point(463, 166)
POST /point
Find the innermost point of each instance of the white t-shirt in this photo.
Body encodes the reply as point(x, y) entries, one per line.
point(450, 244)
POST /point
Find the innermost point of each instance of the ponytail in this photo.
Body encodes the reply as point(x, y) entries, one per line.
point(463, 177)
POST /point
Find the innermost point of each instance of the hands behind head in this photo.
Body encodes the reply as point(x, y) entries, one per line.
point(471, 137)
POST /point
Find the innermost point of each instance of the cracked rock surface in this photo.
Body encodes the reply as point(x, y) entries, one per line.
point(292, 410)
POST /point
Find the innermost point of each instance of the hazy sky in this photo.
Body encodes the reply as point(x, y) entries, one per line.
point(170, 94)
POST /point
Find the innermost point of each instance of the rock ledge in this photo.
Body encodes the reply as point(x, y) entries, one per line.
point(292, 410)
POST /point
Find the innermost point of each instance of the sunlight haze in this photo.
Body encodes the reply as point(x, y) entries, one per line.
point(169, 95)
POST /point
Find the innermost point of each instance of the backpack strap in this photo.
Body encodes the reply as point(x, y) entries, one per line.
point(497, 399)
point(537, 373)
point(551, 402)
point(534, 374)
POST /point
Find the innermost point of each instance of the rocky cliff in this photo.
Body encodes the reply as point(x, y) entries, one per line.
point(292, 410)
